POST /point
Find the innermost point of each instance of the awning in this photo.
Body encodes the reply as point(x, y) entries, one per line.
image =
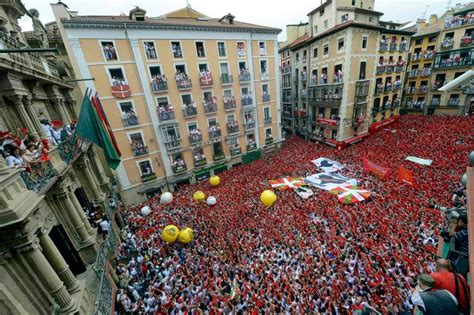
point(356, 138)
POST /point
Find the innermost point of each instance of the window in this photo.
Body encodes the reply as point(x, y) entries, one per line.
point(117, 77)
point(364, 42)
point(419, 41)
point(245, 91)
point(192, 127)
point(432, 39)
point(315, 30)
point(268, 132)
point(241, 50)
point(262, 48)
point(150, 50)
point(304, 54)
point(315, 53)
point(242, 66)
point(187, 99)
point(176, 48)
point(263, 66)
point(297, 57)
point(344, 18)
point(163, 102)
point(362, 67)
point(266, 113)
point(326, 23)
point(321, 13)
point(340, 43)
point(146, 171)
point(221, 49)
point(109, 51)
point(171, 133)
point(326, 50)
point(353, 2)
point(155, 71)
point(201, 53)
point(370, 19)
point(180, 69)
point(356, 17)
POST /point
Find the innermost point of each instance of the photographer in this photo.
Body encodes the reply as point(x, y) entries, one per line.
point(460, 255)
point(430, 301)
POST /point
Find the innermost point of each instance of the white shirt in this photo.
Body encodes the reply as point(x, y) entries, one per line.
point(105, 225)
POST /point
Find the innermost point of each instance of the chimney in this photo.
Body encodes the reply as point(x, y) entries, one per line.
point(137, 14)
point(433, 19)
point(420, 24)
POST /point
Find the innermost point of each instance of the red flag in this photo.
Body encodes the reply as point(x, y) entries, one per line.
point(380, 171)
point(405, 175)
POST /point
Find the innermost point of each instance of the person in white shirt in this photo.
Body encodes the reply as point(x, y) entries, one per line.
point(105, 225)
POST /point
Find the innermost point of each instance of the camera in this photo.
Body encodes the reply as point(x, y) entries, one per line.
point(450, 213)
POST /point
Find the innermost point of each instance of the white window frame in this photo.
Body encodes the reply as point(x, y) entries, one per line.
point(269, 112)
point(181, 97)
point(162, 96)
point(246, 51)
point(180, 64)
point(225, 48)
point(128, 101)
point(195, 122)
point(102, 49)
point(144, 160)
point(140, 131)
point(115, 67)
point(203, 45)
point(154, 65)
point(156, 50)
point(180, 46)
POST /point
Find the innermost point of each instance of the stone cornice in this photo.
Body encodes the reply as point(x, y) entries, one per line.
point(171, 27)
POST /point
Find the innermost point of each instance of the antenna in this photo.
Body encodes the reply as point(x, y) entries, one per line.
point(448, 6)
point(187, 4)
point(424, 13)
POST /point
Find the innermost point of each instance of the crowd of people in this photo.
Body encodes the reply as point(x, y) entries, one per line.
point(247, 99)
point(457, 21)
point(190, 109)
point(166, 112)
point(159, 82)
point(205, 77)
point(304, 256)
point(182, 80)
point(138, 147)
point(229, 101)
point(210, 104)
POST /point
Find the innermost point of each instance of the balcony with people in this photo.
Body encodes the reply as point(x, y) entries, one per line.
point(380, 69)
point(219, 154)
point(423, 89)
point(199, 158)
point(235, 149)
point(266, 97)
point(438, 83)
point(129, 117)
point(447, 43)
point(415, 104)
point(146, 173)
point(138, 147)
point(232, 127)
point(458, 21)
point(244, 75)
point(172, 138)
point(264, 76)
point(182, 81)
point(229, 102)
point(190, 109)
point(329, 95)
point(403, 45)
point(205, 78)
point(333, 120)
point(338, 76)
point(456, 58)
point(413, 73)
point(214, 131)
point(226, 79)
point(425, 72)
point(285, 69)
point(384, 43)
point(466, 39)
point(268, 139)
point(247, 99)
point(159, 83)
point(379, 88)
point(178, 165)
point(314, 79)
point(453, 101)
point(210, 105)
point(249, 122)
point(251, 144)
point(397, 84)
point(411, 89)
point(400, 65)
point(393, 44)
point(304, 76)
point(388, 86)
point(195, 136)
point(166, 112)
point(435, 101)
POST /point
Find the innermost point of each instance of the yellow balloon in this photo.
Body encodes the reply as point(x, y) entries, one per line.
point(268, 197)
point(186, 235)
point(199, 196)
point(214, 181)
point(170, 233)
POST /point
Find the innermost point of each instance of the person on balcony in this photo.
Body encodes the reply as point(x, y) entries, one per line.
point(150, 50)
point(14, 158)
point(324, 78)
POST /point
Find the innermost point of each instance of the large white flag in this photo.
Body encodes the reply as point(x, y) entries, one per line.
point(419, 160)
point(327, 165)
point(329, 181)
point(304, 192)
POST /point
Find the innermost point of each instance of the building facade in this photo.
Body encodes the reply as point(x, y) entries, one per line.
point(441, 51)
point(348, 72)
point(47, 243)
point(187, 95)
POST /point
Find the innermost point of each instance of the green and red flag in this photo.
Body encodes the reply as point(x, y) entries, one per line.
point(348, 194)
point(287, 182)
point(93, 125)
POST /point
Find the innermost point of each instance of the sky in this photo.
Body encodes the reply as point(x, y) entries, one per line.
point(275, 13)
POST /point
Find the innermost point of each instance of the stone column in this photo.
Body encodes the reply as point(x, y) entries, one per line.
point(91, 179)
point(76, 221)
point(59, 264)
point(59, 104)
point(71, 106)
point(50, 279)
point(31, 112)
point(23, 114)
point(82, 214)
point(103, 179)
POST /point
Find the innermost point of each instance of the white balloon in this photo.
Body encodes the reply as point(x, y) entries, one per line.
point(211, 200)
point(166, 197)
point(145, 211)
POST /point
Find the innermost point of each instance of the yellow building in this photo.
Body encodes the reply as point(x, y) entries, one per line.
point(187, 95)
point(348, 72)
point(441, 51)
